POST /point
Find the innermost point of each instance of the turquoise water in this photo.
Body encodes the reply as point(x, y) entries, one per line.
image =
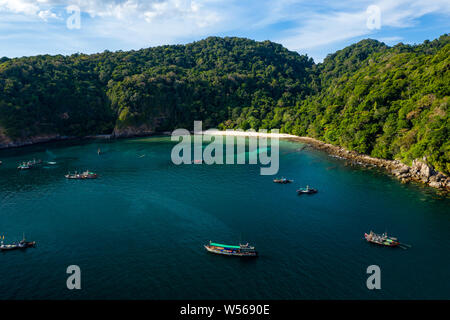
point(137, 232)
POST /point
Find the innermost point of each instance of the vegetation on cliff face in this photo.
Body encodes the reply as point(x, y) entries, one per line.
point(389, 102)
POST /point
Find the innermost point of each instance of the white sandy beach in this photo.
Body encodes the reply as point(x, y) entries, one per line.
point(315, 142)
point(247, 134)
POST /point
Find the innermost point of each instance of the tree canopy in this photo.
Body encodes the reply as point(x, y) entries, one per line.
point(388, 102)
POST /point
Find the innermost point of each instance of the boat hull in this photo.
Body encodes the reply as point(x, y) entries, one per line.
point(28, 244)
point(81, 177)
point(282, 181)
point(390, 243)
point(22, 245)
point(300, 192)
point(9, 248)
point(230, 252)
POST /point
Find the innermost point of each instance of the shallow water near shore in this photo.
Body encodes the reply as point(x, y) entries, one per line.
point(138, 231)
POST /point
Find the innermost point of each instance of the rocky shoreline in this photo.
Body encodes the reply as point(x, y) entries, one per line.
point(6, 143)
point(420, 171)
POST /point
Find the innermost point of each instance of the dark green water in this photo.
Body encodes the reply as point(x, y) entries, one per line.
point(137, 232)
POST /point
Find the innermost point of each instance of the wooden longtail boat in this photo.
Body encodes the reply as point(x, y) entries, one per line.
point(306, 190)
point(383, 239)
point(82, 176)
point(282, 180)
point(242, 250)
point(22, 244)
point(29, 164)
point(23, 166)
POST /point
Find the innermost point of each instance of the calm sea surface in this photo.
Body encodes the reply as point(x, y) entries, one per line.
point(138, 231)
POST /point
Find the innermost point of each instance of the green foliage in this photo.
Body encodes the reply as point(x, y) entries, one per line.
point(388, 102)
point(164, 87)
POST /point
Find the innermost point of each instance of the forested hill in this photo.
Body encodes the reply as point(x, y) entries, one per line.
point(389, 102)
point(162, 87)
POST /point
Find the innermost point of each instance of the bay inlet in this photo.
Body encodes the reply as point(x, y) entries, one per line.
point(137, 232)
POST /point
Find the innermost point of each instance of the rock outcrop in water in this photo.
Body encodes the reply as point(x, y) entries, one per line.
point(422, 172)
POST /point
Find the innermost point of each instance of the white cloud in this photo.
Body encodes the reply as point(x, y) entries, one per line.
point(20, 6)
point(149, 22)
point(181, 9)
point(350, 22)
point(47, 14)
point(134, 23)
point(320, 30)
point(307, 26)
point(119, 10)
point(392, 39)
point(28, 8)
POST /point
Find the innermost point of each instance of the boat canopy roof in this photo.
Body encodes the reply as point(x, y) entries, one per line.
point(224, 245)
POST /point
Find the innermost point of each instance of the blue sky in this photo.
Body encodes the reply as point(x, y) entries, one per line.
point(316, 28)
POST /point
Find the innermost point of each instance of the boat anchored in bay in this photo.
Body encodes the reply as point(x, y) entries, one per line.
point(381, 239)
point(81, 176)
point(29, 164)
point(306, 190)
point(242, 250)
point(282, 181)
point(22, 244)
